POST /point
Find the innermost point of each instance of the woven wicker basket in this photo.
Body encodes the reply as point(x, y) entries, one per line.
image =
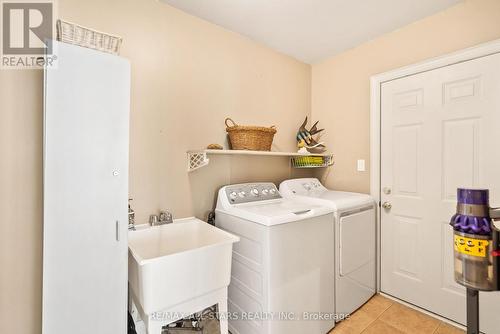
point(255, 138)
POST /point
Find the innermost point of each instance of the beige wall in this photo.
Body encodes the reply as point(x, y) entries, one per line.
point(340, 85)
point(187, 76)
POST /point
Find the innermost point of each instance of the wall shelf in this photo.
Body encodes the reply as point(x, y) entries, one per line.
point(199, 158)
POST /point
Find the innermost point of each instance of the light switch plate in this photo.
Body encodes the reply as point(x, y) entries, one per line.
point(361, 165)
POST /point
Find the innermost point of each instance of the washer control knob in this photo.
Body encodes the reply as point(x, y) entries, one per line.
point(233, 195)
point(265, 192)
point(255, 192)
point(242, 194)
point(307, 186)
point(272, 191)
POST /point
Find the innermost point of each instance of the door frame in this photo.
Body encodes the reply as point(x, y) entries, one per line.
point(376, 81)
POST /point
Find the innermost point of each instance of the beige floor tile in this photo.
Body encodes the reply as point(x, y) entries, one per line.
point(377, 305)
point(355, 324)
point(380, 327)
point(344, 330)
point(448, 329)
point(408, 320)
point(364, 316)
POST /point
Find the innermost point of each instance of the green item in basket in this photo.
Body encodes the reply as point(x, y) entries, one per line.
point(308, 161)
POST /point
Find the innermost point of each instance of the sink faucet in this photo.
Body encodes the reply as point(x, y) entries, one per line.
point(165, 217)
point(131, 217)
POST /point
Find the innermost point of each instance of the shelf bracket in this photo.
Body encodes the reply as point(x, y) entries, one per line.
point(196, 160)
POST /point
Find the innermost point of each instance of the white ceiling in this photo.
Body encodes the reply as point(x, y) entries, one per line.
point(311, 30)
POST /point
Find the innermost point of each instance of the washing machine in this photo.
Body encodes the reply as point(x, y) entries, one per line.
point(355, 235)
point(282, 268)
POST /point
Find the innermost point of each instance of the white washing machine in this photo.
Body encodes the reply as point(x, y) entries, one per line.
point(355, 250)
point(282, 268)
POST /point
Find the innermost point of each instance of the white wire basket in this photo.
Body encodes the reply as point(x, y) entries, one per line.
point(73, 33)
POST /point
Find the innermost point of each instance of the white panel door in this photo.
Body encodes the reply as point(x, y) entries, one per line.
point(85, 193)
point(439, 131)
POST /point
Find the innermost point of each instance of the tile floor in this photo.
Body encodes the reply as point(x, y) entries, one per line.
point(384, 316)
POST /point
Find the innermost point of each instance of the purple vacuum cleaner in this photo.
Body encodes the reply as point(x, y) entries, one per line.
point(476, 248)
point(472, 212)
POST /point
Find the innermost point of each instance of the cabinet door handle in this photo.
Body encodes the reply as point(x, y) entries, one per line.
point(117, 230)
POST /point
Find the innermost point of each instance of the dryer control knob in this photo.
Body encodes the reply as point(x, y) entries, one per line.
point(265, 192)
point(233, 195)
point(242, 194)
point(272, 191)
point(255, 192)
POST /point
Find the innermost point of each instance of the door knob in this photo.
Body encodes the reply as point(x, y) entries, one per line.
point(387, 205)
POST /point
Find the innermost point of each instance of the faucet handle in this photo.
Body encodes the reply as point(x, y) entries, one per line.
point(165, 217)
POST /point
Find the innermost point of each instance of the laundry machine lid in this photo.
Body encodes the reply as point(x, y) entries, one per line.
point(276, 212)
point(311, 190)
point(269, 209)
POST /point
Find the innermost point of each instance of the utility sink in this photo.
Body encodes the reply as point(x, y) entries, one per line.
point(171, 265)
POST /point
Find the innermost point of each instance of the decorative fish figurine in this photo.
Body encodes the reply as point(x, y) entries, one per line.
point(305, 140)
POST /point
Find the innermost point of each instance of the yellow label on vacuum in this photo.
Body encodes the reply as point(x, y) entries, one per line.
point(470, 246)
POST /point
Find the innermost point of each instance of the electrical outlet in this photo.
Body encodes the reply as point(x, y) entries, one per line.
point(361, 165)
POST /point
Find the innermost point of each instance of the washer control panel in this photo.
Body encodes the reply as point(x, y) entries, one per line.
point(251, 192)
point(311, 185)
point(302, 186)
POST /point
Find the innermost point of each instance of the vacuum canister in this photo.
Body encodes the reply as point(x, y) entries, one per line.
point(474, 246)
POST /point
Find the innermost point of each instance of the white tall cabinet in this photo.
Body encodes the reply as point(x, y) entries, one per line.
point(86, 140)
